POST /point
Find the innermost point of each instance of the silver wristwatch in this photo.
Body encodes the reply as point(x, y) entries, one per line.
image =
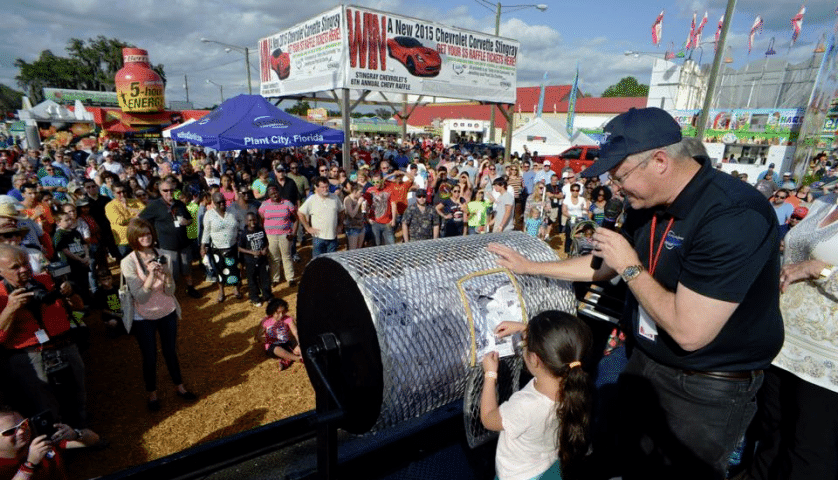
point(631, 272)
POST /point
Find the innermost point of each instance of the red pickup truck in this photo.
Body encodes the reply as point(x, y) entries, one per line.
point(577, 158)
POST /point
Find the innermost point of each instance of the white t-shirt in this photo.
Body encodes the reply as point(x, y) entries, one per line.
point(113, 167)
point(527, 444)
point(500, 210)
point(576, 210)
point(323, 214)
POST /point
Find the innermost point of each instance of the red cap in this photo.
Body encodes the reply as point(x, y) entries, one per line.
point(800, 212)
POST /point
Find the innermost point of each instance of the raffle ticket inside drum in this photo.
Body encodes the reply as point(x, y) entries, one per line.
point(413, 318)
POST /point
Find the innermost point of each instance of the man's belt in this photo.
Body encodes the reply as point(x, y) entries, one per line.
point(740, 375)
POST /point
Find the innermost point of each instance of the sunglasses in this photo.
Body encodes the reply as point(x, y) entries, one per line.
point(11, 431)
point(167, 190)
point(782, 197)
point(118, 192)
point(9, 235)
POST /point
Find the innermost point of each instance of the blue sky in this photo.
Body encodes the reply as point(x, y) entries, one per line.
point(593, 33)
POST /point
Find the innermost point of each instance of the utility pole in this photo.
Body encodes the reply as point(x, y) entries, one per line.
point(186, 86)
point(714, 72)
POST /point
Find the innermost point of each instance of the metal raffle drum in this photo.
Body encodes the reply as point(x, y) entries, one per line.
point(411, 318)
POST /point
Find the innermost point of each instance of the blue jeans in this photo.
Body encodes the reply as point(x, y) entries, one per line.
point(382, 233)
point(319, 245)
point(681, 425)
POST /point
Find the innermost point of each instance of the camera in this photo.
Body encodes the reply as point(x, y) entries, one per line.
point(161, 259)
point(43, 424)
point(40, 294)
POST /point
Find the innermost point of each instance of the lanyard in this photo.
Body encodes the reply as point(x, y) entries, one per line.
point(653, 258)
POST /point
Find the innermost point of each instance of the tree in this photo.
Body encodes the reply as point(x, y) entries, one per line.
point(89, 66)
point(300, 108)
point(627, 87)
point(384, 113)
point(10, 100)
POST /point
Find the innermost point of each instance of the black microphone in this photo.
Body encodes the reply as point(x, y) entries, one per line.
point(613, 210)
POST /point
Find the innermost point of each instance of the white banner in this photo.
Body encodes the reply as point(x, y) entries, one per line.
point(307, 57)
point(363, 49)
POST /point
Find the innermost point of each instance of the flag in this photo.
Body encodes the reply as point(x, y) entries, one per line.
point(697, 36)
point(541, 96)
point(718, 33)
point(797, 24)
point(756, 27)
point(690, 37)
point(571, 102)
point(657, 29)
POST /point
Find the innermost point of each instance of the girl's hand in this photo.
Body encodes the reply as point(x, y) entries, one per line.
point(490, 362)
point(504, 329)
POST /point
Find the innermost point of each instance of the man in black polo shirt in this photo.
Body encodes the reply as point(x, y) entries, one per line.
point(170, 219)
point(698, 252)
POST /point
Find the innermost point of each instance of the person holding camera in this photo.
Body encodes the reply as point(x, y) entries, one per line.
point(156, 310)
point(29, 451)
point(41, 361)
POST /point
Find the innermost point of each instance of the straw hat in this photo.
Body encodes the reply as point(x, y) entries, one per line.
point(8, 210)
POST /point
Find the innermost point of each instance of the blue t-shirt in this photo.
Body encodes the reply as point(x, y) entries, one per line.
point(783, 212)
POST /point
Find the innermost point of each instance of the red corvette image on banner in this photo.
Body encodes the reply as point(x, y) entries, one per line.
point(417, 58)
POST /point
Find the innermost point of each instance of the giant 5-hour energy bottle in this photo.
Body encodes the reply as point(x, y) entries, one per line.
point(139, 88)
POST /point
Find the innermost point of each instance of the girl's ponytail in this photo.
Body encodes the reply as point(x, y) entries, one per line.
point(574, 414)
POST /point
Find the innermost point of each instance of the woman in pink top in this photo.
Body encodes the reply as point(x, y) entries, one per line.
point(156, 310)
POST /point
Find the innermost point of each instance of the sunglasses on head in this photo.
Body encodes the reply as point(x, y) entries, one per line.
point(11, 431)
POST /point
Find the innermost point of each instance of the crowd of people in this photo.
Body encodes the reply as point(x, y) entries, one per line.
point(70, 219)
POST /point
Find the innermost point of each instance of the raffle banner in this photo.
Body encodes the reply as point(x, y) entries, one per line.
point(364, 49)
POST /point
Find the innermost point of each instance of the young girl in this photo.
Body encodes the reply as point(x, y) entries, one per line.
point(279, 334)
point(547, 419)
point(533, 224)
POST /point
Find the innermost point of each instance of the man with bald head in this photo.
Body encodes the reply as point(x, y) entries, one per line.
point(35, 330)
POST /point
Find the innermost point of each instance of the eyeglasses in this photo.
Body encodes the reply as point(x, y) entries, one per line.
point(574, 189)
point(11, 431)
point(621, 181)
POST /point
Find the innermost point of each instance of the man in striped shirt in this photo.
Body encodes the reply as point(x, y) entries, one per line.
point(280, 220)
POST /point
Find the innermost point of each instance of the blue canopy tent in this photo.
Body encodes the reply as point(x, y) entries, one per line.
point(251, 121)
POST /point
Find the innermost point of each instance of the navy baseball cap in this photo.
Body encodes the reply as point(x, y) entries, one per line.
point(637, 130)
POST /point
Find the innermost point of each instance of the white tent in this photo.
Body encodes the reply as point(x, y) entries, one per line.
point(541, 136)
point(50, 111)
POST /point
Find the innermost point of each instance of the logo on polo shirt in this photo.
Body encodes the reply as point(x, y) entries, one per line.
point(673, 241)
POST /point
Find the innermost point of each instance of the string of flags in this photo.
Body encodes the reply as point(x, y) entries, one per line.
point(695, 33)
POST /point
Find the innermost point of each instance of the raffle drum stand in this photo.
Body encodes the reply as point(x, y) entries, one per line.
point(391, 333)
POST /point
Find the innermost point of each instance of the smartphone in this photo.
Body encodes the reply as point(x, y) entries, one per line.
point(43, 424)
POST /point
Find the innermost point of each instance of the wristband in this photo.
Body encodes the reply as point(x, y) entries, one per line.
point(491, 375)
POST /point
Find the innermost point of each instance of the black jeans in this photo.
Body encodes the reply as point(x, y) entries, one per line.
point(145, 333)
point(258, 271)
point(680, 425)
